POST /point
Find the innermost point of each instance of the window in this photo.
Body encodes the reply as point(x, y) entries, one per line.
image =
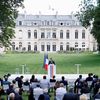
point(61, 46)
point(35, 34)
point(20, 34)
point(42, 47)
point(83, 44)
point(67, 46)
point(20, 22)
point(48, 23)
point(42, 35)
point(20, 45)
point(48, 46)
point(67, 34)
point(83, 34)
point(76, 34)
point(35, 46)
point(61, 34)
point(54, 34)
point(29, 47)
point(13, 46)
point(48, 34)
point(29, 34)
point(76, 44)
point(54, 47)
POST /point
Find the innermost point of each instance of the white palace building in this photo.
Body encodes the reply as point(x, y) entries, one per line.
point(51, 33)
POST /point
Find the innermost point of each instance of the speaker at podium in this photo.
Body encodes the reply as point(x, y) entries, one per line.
point(51, 70)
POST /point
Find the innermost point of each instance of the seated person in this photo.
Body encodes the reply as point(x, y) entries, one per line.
point(71, 95)
point(97, 96)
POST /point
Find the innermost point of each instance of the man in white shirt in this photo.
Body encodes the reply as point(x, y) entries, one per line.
point(44, 83)
point(60, 92)
point(37, 92)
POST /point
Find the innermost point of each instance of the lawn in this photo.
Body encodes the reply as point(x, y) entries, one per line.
point(65, 63)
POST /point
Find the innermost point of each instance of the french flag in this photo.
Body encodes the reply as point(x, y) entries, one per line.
point(46, 61)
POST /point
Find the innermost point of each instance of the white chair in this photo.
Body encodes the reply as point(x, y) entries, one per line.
point(52, 84)
point(5, 87)
point(59, 96)
point(37, 92)
point(88, 96)
point(34, 84)
point(26, 87)
point(89, 83)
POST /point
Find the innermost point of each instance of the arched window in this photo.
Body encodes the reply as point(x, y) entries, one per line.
point(67, 34)
point(76, 34)
point(13, 46)
point(35, 46)
point(29, 34)
point(48, 46)
point(29, 46)
point(61, 46)
point(61, 34)
point(42, 46)
point(35, 34)
point(54, 34)
point(83, 44)
point(20, 45)
point(20, 34)
point(54, 46)
point(67, 46)
point(42, 34)
point(76, 44)
point(83, 34)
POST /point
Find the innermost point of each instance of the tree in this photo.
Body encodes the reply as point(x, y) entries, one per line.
point(90, 12)
point(8, 14)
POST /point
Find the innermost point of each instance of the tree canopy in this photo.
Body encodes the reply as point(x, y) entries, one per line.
point(89, 15)
point(8, 14)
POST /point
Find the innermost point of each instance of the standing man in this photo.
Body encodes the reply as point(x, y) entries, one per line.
point(51, 61)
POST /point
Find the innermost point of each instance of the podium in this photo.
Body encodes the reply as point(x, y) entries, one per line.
point(51, 70)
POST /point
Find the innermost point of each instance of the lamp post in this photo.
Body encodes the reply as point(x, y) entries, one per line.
point(78, 65)
point(23, 68)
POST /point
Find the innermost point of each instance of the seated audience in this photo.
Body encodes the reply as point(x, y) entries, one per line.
point(64, 82)
point(71, 95)
point(97, 96)
point(60, 91)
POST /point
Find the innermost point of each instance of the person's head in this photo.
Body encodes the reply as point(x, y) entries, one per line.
point(80, 76)
point(21, 77)
point(44, 77)
point(11, 96)
point(54, 77)
point(83, 97)
point(13, 81)
point(33, 76)
point(63, 77)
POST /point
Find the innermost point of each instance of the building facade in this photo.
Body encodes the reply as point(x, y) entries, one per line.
point(51, 33)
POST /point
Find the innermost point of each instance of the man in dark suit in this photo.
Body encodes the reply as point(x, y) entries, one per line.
point(51, 61)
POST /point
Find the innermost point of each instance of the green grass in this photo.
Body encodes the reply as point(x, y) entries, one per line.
point(65, 63)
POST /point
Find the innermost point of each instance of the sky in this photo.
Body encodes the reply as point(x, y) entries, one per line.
point(49, 7)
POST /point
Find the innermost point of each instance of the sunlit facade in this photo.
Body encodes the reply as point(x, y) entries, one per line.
point(51, 33)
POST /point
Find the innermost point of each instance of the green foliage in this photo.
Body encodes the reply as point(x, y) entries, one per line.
point(90, 12)
point(8, 14)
